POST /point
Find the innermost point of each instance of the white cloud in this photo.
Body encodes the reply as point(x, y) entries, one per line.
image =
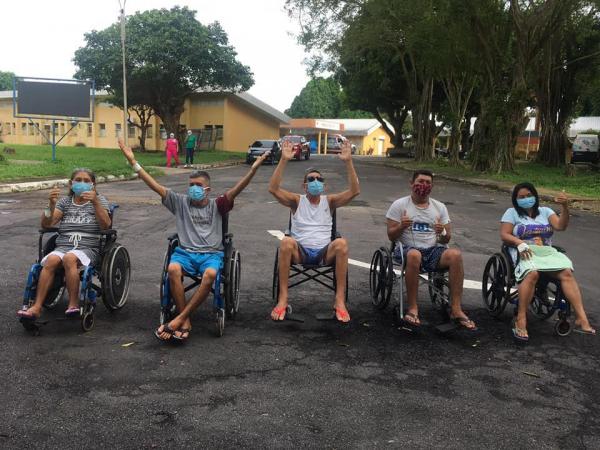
point(40, 37)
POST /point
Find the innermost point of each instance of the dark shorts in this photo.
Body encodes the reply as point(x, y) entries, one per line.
point(430, 257)
point(313, 256)
point(195, 264)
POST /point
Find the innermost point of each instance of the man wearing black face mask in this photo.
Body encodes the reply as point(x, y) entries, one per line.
point(420, 226)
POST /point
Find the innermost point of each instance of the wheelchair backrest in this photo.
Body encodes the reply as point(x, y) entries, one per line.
point(334, 233)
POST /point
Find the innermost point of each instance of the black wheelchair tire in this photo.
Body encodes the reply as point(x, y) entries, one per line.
point(87, 321)
point(496, 284)
point(542, 306)
point(439, 292)
point(563, 327)
point(232, 287)
point(116, 276)
point(381, 278)
point(220, 322)
point(56, 291)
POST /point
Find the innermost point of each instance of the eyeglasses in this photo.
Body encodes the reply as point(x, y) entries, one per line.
point(311, 179)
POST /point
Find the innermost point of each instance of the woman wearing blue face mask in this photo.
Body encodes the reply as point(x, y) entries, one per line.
point(80, 217)
point(529, 227)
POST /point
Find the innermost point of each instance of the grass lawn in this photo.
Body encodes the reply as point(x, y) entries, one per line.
point(103, 161)
point(586, 183)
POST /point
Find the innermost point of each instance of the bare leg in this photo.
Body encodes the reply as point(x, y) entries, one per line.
point(571, 290)
point(411, 278)
point(52, 264)
point(288, 252)
point(338, 251)
point(208, 279)
point(71, 264)
point(177, 293)
point(452, 260)
point(526, 290)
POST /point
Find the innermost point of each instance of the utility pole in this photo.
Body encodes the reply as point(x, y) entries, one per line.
point(125, 130)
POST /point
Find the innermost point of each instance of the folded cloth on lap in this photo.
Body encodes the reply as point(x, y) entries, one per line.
point(544, 259)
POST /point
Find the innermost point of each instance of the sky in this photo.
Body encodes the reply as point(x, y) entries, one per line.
point(40, 37)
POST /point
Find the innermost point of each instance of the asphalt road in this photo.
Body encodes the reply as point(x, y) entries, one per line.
point(284, 385)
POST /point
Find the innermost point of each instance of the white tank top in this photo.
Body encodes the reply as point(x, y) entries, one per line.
point(311, 224)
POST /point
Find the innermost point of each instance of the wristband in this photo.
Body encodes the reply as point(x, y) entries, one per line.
point(47, 212)
point(136, 167)
point(444, 232)
point(522, 247)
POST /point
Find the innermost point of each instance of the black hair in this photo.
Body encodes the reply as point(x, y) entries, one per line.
point(90, 173)
point(311, 170)
point(521, 211)
point(418, 172)
point(200, 174)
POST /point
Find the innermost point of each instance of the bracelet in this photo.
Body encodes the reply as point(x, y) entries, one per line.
point(47, 212)
point(136, 167)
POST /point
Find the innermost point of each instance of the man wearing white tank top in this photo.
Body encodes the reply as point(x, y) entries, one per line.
point(310, 241)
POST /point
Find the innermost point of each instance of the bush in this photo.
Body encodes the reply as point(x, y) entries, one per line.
point(80, 144)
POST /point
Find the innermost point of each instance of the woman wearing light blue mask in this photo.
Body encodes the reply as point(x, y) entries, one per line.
point(528, 227)
point(80, 217)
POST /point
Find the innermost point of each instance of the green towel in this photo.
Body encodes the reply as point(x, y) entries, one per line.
point(544, 259)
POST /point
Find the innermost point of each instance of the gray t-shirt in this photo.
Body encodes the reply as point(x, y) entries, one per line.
point(78, 220)
point(199, 227)
point(422, 233)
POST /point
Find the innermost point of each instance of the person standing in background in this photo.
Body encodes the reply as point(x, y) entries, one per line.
point(172, 149)
point(190, 146)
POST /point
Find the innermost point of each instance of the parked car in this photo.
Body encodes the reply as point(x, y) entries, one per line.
point(334, 144)
point(257, 148)
point(445, 153)
point(585, 149)
point(301, 147)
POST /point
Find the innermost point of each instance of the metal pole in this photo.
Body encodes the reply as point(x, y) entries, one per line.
point(53, 140)
point(125, 111)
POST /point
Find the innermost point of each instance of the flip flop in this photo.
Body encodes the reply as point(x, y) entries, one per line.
point(26, 315)
point(343, 314)
point(72, 312)
point(279, 312)
point(415, 318)
point(517, 337)
point(462, 322)
point(166, 329)
point(181, 338)
point(591, 332)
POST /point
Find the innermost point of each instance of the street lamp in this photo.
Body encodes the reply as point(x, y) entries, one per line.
point(125, 111)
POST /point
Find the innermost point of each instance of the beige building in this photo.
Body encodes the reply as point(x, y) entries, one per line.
point(224, 121)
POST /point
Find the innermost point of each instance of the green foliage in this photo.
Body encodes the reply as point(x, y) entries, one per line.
point(6, 81)
point(320, 99)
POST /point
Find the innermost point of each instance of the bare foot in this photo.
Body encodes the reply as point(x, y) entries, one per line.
point(341, 312)
point(278, 313)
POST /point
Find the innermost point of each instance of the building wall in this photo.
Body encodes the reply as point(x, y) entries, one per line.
point(244, 125)
point(363, 143)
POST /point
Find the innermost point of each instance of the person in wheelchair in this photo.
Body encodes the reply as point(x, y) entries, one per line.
point(420, 226)
point(527, 229)
point(199, 226)
point(311, 222)
point(80, 217)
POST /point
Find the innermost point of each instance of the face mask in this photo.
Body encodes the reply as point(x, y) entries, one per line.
point(422, 190)
point(315, 187)
point(196, 193)
point(526, 203)
point(79, 187)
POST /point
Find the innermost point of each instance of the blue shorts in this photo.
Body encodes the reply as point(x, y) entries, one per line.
point(195, 264)
point(313, 256)
point(430, 257)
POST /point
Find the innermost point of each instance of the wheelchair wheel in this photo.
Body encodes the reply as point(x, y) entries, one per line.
point(56, 291)
point(545, 299)
point(232, 288)
point(116, 272)
point(563, 327)
point(439, 292)
point(275, 289)
point(495, 286)
point(381, 278)
point(220, 322)
point(87, 321)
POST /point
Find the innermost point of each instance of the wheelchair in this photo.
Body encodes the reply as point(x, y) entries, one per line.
point(498, 290)
point(386, 276)
point(324, 274)
point(226, 289)
point(109, 280)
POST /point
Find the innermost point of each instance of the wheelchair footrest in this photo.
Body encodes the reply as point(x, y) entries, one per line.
point(329, 315)
point(446, 327)
point(294, 318)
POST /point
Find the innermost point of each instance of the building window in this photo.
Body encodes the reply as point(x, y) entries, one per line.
point(14, 128)
point(163, 132)
point(89, 130)
point(7, 128)
point(219, 132)
point(149, 132)
point(32, 129)
point(101, 130)
point(24, 129)
point(62, 128)
point(47, 130)
point(118, 130)
point(131, 131)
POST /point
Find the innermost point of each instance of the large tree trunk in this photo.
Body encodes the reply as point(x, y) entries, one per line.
point(422, 123)
point(397, 119)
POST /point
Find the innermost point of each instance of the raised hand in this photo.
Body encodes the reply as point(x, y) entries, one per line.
point(438, 227)
point(53, 196)
point(260, 159)
point(126, 151)
point(346, 153)
point(405, 221)
point(562, 199)
point(286, 150)
point(89, 196)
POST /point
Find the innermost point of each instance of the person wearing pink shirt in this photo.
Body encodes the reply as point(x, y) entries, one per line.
point(172, 149)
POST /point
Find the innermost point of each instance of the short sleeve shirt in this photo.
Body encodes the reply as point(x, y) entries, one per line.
point(536, 230)
point(190, 141)
point(79, 219)
point(422, 233)
point(199, 227)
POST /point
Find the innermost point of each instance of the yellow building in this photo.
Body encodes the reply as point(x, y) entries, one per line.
point(224, 121)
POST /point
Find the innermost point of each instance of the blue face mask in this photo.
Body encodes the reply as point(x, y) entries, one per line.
point(315, 187)
point(79, 187)
point(196, 193)
point(526, 202)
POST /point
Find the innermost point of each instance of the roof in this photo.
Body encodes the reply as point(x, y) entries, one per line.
point(359, 127)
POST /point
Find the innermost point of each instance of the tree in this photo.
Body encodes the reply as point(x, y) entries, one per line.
point(169, 54)
point(6, 81)
point(320, 98)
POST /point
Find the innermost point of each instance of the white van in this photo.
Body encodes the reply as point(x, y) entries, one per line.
point(585, 148)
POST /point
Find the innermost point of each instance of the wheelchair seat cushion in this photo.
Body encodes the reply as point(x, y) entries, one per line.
point(195, 264)
point(430, 257)
point(544, 259)
point(313, 256)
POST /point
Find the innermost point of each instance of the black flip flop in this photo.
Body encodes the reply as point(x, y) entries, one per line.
point(460, 323)
point(166, 329)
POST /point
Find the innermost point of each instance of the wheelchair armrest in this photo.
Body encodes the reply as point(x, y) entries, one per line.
point(287, 233)
point(48, 230)
point(173, 236)
point(559, 249)
point(338, 235)
point(109, 232)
